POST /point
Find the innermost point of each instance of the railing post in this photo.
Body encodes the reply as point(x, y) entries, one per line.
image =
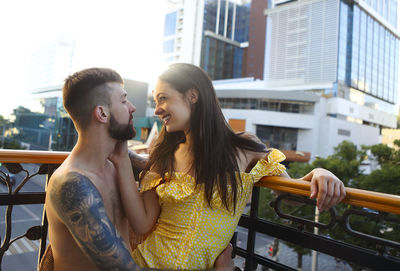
point(251, 235)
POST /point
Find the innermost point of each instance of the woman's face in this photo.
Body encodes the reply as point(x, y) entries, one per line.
point(172, 107)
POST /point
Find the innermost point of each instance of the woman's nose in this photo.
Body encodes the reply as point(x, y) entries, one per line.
point(157, 110)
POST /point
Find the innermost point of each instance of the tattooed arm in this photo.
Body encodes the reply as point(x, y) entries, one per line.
point(80, 206)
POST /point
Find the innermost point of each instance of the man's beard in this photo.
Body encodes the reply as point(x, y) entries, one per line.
point(120, 131)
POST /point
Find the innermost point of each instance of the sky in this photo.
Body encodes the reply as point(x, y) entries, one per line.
point(125, 35)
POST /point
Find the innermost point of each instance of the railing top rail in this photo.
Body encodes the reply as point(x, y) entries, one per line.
point(358, 197)
point(369, 199)
point(35, 157)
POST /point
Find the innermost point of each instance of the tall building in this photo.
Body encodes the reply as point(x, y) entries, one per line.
point(212, 34)
point(255, 52)
point(352, 45)
point(330, 74)
point(50, 63)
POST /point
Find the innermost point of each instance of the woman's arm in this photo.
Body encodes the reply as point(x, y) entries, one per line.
point(143, 210)
point(325, 186)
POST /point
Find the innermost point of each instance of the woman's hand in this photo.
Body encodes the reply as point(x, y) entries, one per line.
point(120, 153)
point(326, 187)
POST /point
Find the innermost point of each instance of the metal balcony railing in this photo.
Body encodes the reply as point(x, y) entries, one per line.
point(375, 206)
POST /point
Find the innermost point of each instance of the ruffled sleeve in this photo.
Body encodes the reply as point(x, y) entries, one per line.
point(177, 187)
point(270, 166)
point(150, 181)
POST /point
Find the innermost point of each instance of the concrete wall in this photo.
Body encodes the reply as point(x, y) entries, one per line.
point(329, 136)
point(347, 108)
point(270, 118)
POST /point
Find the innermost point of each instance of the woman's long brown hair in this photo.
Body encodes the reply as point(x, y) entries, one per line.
point(214, 145)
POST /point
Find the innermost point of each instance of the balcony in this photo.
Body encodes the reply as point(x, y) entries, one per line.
point(380, 254)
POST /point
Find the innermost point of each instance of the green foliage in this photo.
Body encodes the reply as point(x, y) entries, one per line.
point(12, 144)
point(385, 180)
point(3, 121)
point(345, 163)
point(382, 152)
point(398, 121)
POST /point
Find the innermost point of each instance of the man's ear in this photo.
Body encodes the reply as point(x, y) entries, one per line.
point(101, 113)
point(192, 95)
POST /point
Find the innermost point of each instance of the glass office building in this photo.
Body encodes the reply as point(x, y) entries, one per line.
point(225, 33)
point(369, 48)
point(212, 34)
point(351, 45)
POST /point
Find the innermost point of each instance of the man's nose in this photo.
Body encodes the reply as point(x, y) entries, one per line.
point(133, 108)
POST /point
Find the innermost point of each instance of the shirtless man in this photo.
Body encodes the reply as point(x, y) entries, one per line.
point(88, 229)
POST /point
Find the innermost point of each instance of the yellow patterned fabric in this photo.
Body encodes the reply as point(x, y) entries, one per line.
point(189, 233)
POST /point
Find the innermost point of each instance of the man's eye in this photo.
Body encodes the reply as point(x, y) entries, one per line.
point(75, 217)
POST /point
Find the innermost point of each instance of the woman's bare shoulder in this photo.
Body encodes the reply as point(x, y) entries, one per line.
point(250, 154)
point(252, 157)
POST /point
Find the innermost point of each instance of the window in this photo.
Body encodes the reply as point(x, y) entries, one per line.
point(170, 24)
point(169, 46)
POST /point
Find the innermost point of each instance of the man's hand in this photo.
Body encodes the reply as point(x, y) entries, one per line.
point(326, 187)
point(224, 260)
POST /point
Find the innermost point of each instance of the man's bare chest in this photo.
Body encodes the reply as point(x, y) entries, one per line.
point(112, 200)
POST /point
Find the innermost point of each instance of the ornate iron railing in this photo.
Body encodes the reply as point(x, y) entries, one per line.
point(297, 233)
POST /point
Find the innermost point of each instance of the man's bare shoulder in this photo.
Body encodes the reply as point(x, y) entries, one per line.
point(80, 207)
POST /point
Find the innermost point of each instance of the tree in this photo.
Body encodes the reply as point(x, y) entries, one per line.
point(345, 163)
point(267, 212)
point(398, 121)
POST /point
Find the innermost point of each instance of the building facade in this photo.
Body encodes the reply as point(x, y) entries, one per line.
point(50, 63)
point(345, 53)
point(353, 45)
point(212, 34)
point(57, 121)
point(304, 121)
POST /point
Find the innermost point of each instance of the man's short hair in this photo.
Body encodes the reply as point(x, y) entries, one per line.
point(82, 93)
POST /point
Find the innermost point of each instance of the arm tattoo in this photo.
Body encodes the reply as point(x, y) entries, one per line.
point(138, 163)
point(80, 206)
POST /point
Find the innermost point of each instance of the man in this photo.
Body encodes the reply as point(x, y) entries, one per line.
point(88, 229)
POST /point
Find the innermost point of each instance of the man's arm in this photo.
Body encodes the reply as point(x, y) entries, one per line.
point(80, 206)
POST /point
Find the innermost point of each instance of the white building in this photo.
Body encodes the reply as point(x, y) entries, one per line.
point(50, 63)
point(302, 120)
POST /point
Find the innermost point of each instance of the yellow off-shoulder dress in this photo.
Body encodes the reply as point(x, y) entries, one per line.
point(189, 233)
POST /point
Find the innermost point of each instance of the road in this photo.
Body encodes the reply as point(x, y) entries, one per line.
point(285, 255)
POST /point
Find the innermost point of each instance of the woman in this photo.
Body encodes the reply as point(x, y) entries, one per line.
point(200, 173)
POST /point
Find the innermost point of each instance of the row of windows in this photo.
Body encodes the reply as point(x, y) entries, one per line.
point(268, 105)
point(168, 46)
point(237, 21)
point(278, 137)
point(221, 60)
point(170, 24)
point(386, 8)
point(368, 54)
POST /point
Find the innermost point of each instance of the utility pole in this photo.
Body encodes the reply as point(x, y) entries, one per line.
point(314, 260)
